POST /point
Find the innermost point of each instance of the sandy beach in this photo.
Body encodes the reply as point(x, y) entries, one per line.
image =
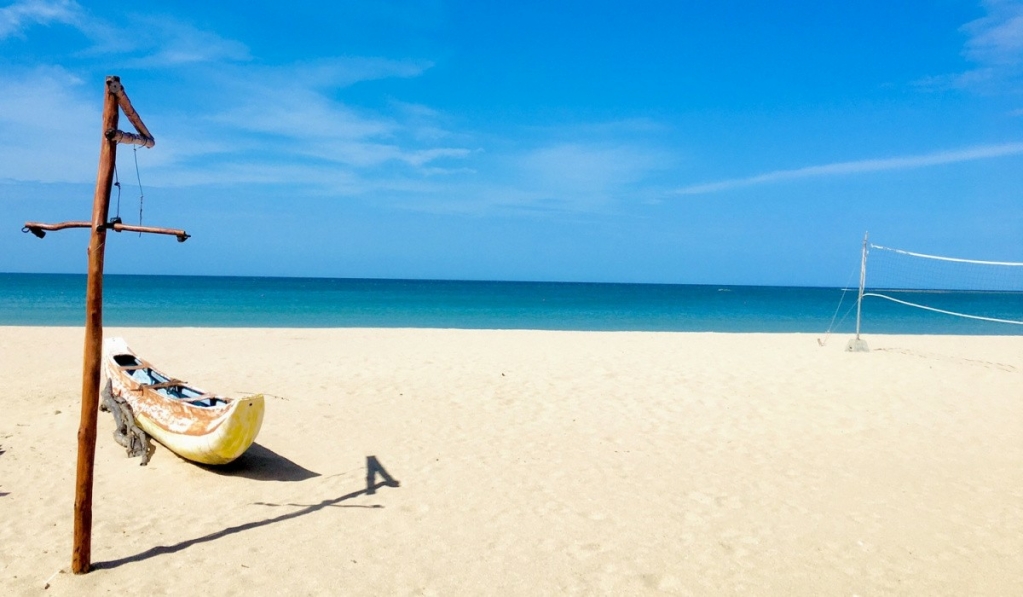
point(535, 463)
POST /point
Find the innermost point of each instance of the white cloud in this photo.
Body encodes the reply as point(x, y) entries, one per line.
point(17, 17)
point(47, 127)
point(997, 38)
point(301, 114)
point(168, 42)
point(425, 156)
point(859, 167)
point(588, 167)
point(302, 135)
point(307, 122)
point(578, 177)
point(343, 71)
point(154, 41)
point(280, 115)
point(995, 45)
point(232, 119)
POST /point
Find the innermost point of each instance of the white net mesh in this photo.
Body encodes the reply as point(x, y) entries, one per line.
point(985, 290)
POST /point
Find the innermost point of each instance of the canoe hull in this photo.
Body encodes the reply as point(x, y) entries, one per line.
point(198, 426)
point(222, 445)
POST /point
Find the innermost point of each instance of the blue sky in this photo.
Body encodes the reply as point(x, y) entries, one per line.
point(681, 142)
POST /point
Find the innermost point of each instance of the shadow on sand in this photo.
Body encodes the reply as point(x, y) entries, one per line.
point(373, 468)
point(3, 493)
point(263, 464)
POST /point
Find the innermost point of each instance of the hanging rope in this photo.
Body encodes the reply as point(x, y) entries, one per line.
point(142, 196)
point(117, 183)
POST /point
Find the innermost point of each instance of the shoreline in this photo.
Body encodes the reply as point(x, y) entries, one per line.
point(536, 462)
point(835, 335)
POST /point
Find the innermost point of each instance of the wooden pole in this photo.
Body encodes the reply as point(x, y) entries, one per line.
point(114, 99)
point(81, 560)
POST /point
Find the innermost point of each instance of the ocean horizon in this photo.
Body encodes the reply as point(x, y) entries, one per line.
point(228, 301)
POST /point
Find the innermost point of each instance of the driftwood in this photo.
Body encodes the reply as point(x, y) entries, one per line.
point(135, 441)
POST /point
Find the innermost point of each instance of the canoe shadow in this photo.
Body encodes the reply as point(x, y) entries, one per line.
point(260, 463)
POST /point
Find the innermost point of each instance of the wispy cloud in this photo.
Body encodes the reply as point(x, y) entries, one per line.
point(343, 71)
point(256, 132)
point(17, 17)
point(247, 133)
point(225, 117)
point(994, 45)
point(589, 167)
point(47, 128)
point(859, 167)
point(146, 41)
point(161, 42)
point(308, 122)
point(583, 175)
point(997, 38)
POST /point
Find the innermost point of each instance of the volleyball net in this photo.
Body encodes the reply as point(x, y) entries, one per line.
point(974, 289)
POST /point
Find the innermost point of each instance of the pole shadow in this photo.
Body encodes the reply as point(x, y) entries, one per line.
point(260, 463)
point(373, 468)
point(3, 493)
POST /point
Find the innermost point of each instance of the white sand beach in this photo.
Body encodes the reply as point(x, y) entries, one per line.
point(535, 463)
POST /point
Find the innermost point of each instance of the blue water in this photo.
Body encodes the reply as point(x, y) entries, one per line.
point(160, 301)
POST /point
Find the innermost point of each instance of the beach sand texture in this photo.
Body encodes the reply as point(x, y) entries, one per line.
point(535, 463)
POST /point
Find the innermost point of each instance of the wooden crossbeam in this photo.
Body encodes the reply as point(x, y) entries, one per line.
point(39, 229)
point(130, 139)
point(144, 137)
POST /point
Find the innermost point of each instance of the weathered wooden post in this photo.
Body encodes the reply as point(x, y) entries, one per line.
point(81, 556)
point(113, 98)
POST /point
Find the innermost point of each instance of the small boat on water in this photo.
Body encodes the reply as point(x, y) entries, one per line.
point(194, 424)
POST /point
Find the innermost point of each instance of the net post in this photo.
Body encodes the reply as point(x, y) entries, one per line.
point(857, 344)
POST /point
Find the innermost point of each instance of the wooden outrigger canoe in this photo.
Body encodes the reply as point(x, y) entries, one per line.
point(196, 425)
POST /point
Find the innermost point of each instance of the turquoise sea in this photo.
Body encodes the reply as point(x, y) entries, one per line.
point(160, 301)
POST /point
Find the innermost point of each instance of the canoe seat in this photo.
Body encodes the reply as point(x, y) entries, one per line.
point(204, 400)
point(166, 384)
point(133, 367)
